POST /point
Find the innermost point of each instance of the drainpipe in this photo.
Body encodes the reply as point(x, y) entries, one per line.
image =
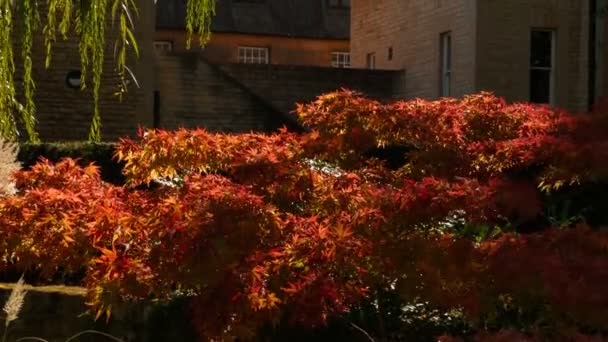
point(600, 50)
point(592, 53)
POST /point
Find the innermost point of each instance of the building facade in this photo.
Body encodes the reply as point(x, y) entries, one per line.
point(208, 87)
point(544, 51)
point(288, 32)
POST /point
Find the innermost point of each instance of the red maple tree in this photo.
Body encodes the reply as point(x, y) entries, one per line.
point(251, 226)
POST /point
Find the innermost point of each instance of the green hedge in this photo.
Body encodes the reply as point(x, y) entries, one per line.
point(101, 154)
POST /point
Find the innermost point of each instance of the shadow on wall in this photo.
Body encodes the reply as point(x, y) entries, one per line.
point(55, 313)
point(190, 92)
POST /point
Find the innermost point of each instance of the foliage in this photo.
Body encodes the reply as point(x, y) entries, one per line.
point(257, 230)
point(92, 21)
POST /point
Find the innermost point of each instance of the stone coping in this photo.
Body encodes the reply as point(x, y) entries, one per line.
point(60, 289)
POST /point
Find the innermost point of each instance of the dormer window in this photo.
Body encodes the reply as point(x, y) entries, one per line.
point(253, 55)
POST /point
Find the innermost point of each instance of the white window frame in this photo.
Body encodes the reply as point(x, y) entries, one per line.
point(340, 59)
point(253, 55)
point(445, 64)
point(371, 60)
point(164, 46)
point(551, 69)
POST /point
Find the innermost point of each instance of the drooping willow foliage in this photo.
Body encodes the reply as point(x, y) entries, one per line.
point(92, 22)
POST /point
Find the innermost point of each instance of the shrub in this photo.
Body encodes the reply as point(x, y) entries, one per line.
point(302, 228)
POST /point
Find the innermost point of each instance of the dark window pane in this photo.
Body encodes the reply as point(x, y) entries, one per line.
point(541, 49)
point(445, 85)
point(445, 65)
point(339, 3)
point(540, 86)
point(448, 52)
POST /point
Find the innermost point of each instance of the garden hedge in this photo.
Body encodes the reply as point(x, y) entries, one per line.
point(99, 153)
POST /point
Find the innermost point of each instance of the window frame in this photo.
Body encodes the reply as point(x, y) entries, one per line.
point(253, 55)
point(550, 69)
point(161, 46)
point(340, 59)
point(370, 61)
point(445, 64)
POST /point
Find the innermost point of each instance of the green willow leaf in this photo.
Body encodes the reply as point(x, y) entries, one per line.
point(31, 19)
point(8, 126)
point(198, 20)
point(91, 22)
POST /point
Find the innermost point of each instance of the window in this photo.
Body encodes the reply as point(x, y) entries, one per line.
point(371, 60)
point(445, 63)
point(340, 59)
point(390, 53)
point(339, 3)
point(253, 55)
point(542, 61)
point(163, 46)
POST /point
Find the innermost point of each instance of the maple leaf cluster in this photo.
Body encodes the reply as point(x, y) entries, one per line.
point(256, 229)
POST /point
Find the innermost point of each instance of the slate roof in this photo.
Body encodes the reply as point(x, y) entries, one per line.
point(293, 18)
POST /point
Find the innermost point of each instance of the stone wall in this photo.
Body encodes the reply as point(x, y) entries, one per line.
point(490, 45)
point(192, 94)
point(284, 86)
point(65, 113)
point(404, 35)
point(242, 98)
point(56, 313)
point(503, 51)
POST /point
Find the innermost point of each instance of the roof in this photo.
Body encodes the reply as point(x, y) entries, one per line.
point(293, 18)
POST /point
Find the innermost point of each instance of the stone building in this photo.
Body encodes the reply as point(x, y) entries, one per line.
point(289, 32)
point(547, 51)
point(210, 88)
point(263, 57)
